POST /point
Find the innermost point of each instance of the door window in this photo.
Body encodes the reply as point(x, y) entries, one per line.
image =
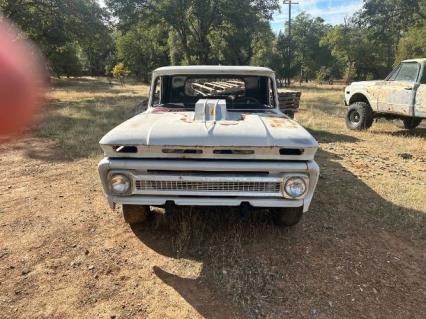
point(423, 81)
point(408, 72)
point(394, 73)
point(271, 93)
point(157, 92)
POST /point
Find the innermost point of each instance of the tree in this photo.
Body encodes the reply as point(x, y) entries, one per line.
point(386, 21)
point(263, 47)
point(309, 55)
point(350, 45)
point(200, 26)
point(143, 48)
point(412, 44)
point(72, 30)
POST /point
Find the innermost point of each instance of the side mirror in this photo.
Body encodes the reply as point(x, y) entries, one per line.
point(289, 102)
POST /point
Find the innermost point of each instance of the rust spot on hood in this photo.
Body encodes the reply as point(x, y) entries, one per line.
point(185, 119)
point(229, 123)
point(280, 122)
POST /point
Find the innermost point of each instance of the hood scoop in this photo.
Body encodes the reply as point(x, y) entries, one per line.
point(207, 110)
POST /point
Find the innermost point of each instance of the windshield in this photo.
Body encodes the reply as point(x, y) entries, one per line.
point(240, 92)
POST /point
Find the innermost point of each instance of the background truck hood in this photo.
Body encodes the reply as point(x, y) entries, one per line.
point(180, 129)
point(366, 83)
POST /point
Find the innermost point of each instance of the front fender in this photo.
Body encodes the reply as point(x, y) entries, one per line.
point(359, 95)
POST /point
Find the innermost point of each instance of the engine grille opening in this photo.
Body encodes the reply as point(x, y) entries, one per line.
point(125, 149)
point(181, 151)
point(291, 151)
point(234, 152)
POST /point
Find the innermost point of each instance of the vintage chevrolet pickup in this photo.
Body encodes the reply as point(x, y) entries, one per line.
point(401, 97)
point(211, 136)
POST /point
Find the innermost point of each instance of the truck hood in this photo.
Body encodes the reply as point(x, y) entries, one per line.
point(179, 129)
point(366, 83)
point(240, 136)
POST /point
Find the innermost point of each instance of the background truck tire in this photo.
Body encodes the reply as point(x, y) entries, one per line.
point(359, 116)
point(287, 216)
point(135, 214)
point(408, 123)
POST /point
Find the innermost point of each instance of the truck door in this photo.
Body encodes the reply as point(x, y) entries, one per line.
point(420, 107)
point(397, 95)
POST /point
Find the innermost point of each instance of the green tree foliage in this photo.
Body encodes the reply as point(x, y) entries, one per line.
point(308, 54)
point(120, 72)
point(205, 31)
point(72, 34)
point(350, 45)
point(80, 37)
point(263, 47)
point(143, 48)
point(64, 61)
point(386, 21)
point(412, 44)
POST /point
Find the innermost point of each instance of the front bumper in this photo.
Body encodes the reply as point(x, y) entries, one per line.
point(235, 190)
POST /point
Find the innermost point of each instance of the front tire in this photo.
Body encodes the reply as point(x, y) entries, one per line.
point(359, 116)
point(135, 214)
point(408, 123)
point(287, 216)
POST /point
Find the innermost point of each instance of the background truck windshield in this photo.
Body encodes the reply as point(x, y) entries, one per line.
point(245, 92)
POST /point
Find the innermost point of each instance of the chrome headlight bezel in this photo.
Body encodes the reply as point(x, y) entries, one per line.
point(291, 178)
point(125, 179)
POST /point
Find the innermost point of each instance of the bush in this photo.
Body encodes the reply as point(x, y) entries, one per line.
point(120, 72)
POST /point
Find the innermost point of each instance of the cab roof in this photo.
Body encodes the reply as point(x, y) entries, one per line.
point(213, 70)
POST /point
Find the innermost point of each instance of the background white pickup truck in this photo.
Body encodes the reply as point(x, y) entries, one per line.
point(402, 97)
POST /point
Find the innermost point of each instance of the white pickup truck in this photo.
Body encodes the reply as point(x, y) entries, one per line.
point(401, 97)
point(211, 136)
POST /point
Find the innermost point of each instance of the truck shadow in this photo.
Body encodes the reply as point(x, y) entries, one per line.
point(418, 132)
point(253, 269)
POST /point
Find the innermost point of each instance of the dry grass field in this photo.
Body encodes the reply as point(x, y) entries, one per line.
point(359, 253)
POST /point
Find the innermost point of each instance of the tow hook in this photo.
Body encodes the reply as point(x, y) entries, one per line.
point(170, 210)
point(245, 210)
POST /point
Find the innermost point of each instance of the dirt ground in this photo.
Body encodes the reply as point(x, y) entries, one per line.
point(359, 253)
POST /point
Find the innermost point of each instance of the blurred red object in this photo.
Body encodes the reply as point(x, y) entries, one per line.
point(22, 78)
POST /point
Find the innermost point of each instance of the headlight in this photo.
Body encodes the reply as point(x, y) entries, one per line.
point(120, 184)
point(295, 187)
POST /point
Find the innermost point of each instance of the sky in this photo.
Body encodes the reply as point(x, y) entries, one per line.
point(332, 11)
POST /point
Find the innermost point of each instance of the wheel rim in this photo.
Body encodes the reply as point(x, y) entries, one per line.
point(355, 117)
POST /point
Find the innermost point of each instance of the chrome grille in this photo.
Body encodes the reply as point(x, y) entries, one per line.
point(191, 184)
point(206, 186)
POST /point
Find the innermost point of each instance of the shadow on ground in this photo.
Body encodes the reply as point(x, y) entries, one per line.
point(341, 261)
point(418, 132)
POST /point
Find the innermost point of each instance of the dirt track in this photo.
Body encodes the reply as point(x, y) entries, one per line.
point(64, 254)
